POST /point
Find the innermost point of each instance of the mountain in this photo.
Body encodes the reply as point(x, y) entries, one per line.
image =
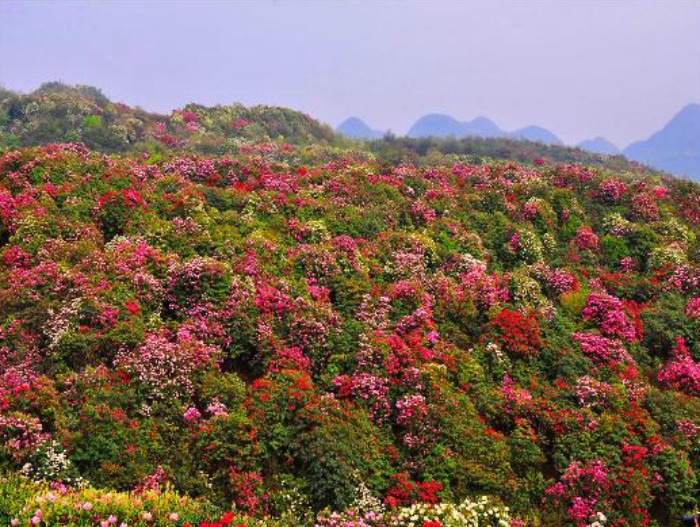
point(437, 125)
point(441, 125)
point(483, 127)
point(599, 145)
point(675, 148)
point(356, 128)
point(537, 134)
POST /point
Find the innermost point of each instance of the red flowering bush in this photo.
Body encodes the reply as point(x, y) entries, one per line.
point(405, 491)
point(518, 334)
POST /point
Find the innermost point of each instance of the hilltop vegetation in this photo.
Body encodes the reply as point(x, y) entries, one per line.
point(57, 113)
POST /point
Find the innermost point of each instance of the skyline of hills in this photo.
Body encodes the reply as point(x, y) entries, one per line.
point(675, 148)
point(60, 113)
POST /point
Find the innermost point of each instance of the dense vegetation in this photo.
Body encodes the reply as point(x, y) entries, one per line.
point(57, 113)
point(264, 337)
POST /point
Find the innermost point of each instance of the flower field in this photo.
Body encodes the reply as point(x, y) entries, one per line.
point(294, 336)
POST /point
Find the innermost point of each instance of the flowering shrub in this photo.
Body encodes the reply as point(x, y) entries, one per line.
point(88, 507)
point(518, 334)
point(165, 367)
point(468, 513)
point(602, 350)
point(611, 190)
point(405, 492)
point(610, 315)
point(586, 239)
point(681, 372)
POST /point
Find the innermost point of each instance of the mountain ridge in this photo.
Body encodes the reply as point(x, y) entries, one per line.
point(674, 148)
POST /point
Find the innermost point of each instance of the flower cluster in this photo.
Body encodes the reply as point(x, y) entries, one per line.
point(610, 315)
point(166, 366)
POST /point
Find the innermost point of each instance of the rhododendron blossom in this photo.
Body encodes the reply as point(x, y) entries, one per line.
point(681, 372)
point(167, 367)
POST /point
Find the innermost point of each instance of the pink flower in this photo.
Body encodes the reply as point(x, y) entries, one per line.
point(681, 373)
point(602, 350)
point(191, 414)
point(608, 312)
point(611, 190)
point(586, 239)
point(692, 309)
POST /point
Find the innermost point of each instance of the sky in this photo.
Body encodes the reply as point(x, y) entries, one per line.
point(619, 68)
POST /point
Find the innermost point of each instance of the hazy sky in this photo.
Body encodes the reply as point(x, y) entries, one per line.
point(619, 69)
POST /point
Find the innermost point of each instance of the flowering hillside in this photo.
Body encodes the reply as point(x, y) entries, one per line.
point(57, 113)
point(277, 338)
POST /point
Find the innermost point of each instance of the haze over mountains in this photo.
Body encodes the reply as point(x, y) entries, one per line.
point(356, 128)
point(675, 148)
point(600, 145)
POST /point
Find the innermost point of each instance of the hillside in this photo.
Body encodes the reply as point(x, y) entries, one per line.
point(57, 113)
point(476, 149)
point(291, 336)
point(675, 148)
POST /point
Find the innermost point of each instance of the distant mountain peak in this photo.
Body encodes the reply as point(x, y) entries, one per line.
point(356, 128)
point(537, 134)
point(483, 121)
point(437, 125)
point(599, 145)
point(443, 125)
point(676, 147)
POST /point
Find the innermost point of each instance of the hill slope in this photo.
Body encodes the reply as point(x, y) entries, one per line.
point(59, 113)
point(282, 333)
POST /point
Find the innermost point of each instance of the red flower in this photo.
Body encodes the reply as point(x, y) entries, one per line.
point(226, 519)
point(518, 334)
